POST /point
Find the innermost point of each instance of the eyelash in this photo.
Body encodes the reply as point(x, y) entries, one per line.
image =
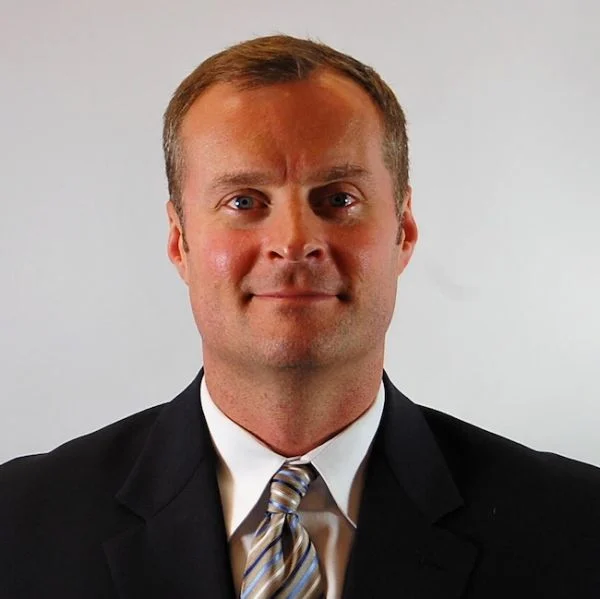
point(352, 202)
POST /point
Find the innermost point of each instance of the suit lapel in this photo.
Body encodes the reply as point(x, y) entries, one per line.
point(401, 548)
point(179, 547)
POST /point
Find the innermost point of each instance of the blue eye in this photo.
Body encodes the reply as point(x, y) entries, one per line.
point(341, 200)
point(243, 202)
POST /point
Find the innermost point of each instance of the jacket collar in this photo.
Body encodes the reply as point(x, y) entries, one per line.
point(414, 456)
point(176, 447)
point(179, 546)
point(401, 545)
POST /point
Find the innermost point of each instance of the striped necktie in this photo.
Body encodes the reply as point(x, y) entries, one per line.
point(282, 562)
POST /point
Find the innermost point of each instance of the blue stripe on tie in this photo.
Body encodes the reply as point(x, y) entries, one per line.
point(284, 482)
point(265, 524)
point(293, 572)
point(251, 566)
point(295, 477)
point(280, 506)
point(302, 582)
point(274, 559)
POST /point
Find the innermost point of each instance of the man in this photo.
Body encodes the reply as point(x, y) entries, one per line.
point(291, 466)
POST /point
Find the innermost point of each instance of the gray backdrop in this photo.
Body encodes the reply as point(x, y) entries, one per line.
point(497, 319)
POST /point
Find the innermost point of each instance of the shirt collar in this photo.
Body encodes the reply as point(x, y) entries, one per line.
point(248, 464)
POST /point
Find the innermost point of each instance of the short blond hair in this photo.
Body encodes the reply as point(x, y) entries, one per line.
point(279, 59)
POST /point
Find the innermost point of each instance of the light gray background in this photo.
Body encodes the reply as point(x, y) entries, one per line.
point(497, 317)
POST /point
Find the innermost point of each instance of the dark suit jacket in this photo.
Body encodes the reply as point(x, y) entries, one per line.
point(448, 510)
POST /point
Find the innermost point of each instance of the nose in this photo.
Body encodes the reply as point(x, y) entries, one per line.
point(295, 232)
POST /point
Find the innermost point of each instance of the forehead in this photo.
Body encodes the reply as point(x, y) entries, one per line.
point(290, 128)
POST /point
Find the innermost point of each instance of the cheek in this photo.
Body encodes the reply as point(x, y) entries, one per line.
point(378, 287)
point(372, 258)
point(220, 259)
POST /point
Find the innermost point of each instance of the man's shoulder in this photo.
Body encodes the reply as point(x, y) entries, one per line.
point(485, 465)
point(534, 513)
point(97, 462)
point(57, 508)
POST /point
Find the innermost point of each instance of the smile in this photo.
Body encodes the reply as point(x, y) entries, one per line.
point(299, 297)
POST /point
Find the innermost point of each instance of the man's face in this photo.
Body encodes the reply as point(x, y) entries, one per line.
point(290, 219)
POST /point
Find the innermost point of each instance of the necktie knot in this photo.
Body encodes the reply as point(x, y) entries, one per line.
point(288, 487)
point(282, 561)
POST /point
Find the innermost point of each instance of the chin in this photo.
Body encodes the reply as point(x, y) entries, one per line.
point(291, 355)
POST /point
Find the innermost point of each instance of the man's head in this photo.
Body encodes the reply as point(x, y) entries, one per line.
point(297, 214)
point(280, 59)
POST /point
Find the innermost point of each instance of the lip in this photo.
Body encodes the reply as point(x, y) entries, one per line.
point(298, 295)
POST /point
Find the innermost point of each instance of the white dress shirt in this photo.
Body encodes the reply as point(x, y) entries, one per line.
point(329, 511)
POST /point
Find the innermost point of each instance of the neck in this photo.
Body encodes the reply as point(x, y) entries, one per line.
point(294, 410)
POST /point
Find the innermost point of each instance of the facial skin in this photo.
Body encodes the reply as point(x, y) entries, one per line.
point(291, 223)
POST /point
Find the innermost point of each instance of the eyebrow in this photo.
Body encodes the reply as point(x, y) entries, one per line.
point(259, 178)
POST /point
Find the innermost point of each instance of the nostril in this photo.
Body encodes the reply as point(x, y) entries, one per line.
point(313, 250)
point(297, 254)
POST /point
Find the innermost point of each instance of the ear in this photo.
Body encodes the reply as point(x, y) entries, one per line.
point(409, 233)
point(175, 245)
